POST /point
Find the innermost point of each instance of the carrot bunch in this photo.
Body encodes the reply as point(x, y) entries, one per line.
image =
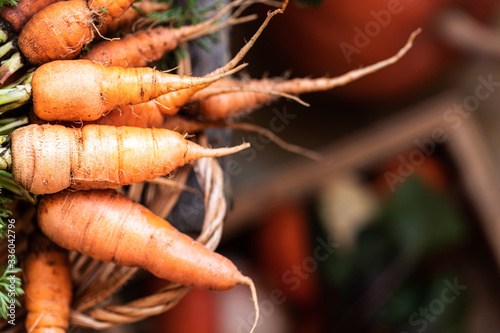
point(106, 120)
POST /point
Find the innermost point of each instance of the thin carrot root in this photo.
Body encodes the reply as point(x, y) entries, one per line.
point(230, 105)
point(249, 282)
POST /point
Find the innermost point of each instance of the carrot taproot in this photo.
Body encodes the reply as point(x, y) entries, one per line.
point(110, 227)
point(77, 90)
point(61, 30)
point(145, 46)
point(17, 16)
point(212, 104)
point(126, 22)
point(50, 158)
point(47, 286)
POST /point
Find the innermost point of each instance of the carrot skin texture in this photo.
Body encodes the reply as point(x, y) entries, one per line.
point(110, 227)
point(17, 16)
point(51, 158)
point(59, 31)
point(113, 9)
point(82, 90)
point(47, 287)
point(135, 50)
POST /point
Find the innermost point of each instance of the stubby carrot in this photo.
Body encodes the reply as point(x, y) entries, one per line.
point(77, 90)
point(61, 30)
point(212, 104)
point(50, 158)
point(47, 286)
point(17, 16)
point(110, 227)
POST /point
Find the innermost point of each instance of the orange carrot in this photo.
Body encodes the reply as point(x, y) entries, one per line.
point(50, 158)
point(17, 16)
point(125, 23)
point(61, 30)
point(212, 104)
point(47, 286)
point(82, 90)
point(171, 103)
point(143, 47)
point(107, 10)
point(110, 227)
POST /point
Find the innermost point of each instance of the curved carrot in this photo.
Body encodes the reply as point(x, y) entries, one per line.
point(110, 227)
point(213, 105)
point(82, 90)
point(50, 158)
point(47, 286)
point(17, 16)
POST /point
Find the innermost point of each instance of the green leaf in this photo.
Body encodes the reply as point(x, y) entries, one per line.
point(10, 285)
point(7, 3)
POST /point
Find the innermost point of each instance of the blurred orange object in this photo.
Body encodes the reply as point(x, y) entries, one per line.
point(286, 254)
point(196, 312)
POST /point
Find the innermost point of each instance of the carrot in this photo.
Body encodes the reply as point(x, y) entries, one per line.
point(107, 10)
point(212, 104)
point(143, 47)
point(131, 16)
point(171, 103)
point(47, 286)
point(82, 90)
point(110, 227)
point(50, 158)
point(17, 16)
point(61, 30)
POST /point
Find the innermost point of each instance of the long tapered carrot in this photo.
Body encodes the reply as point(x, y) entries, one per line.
point(47, 286)
point(110, 227)
point(17, 16)
point(50, 158)
point(213, 105)
point(76, 90)
point(145, 46)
